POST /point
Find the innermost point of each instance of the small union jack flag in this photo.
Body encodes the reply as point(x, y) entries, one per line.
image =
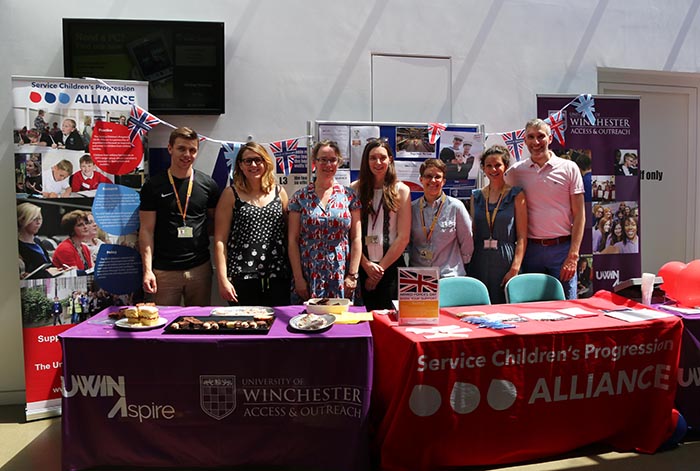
point(225, 161)
point(140, 121)
point(414, 282)
point(285, 152)
point(585, 105)
point(515, 141)
point(434, 131)
point(557, 122)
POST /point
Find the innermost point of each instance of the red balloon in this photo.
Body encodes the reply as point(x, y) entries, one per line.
point(687, 287)
point(669, 272)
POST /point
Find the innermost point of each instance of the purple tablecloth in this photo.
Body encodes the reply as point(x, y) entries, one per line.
point(688, 392)
point(152, 399)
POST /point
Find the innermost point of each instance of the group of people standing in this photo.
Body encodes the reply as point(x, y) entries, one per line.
point(329, 240)
point(80, 305)
point(615, 233)
point(529, 218)
point(270, 249)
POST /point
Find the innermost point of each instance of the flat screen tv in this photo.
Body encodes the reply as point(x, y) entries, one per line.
point(183, 61)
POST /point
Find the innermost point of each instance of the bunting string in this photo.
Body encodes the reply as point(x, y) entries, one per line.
point(515, 140)
point(138, 126)
point(284, 150)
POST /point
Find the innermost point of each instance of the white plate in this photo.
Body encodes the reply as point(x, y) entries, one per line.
point(242, 311)
point(298, 322)
point(124, 324)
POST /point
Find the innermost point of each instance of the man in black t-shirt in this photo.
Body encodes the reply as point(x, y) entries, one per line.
point(177, 207)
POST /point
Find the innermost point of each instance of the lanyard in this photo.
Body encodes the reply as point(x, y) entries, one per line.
point(375, 212)
point(491, 218)
point(429, 234)
point(177, 196)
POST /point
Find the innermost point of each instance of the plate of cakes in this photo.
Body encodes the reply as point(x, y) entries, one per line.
point(312, 322)
point(143, 316)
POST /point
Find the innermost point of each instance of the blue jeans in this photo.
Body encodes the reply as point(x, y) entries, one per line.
point(541, 259)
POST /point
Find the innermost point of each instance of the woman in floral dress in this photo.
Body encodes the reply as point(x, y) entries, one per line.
point(324, 232)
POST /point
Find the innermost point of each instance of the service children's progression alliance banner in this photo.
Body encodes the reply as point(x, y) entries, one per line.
point(608, 155)
point(76, 176)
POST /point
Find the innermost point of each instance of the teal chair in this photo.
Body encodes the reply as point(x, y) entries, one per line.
point(462, 291)
point(530, 287)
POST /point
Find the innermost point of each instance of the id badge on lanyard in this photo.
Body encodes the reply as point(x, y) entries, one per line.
point(185, 232)
point(426, 253)
point(490, 244)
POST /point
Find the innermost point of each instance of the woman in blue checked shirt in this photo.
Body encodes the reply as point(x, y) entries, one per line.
point(441, 229)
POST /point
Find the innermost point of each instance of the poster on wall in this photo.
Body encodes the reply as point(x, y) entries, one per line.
point(608, 155)
point(458, 145)
point(290, 157)
point(77, 171)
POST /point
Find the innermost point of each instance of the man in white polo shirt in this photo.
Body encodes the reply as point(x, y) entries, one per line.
point(555, 208)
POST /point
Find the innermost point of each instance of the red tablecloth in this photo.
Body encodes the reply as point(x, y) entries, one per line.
point(688, 393)
point(538, 390)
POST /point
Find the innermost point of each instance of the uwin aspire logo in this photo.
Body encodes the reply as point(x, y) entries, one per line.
point(106, 386)
point(611, 275)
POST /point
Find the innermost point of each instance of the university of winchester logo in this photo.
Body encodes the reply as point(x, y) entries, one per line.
point(217, 395)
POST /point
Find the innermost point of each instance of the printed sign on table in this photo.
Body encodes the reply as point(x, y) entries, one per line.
point(418, 296)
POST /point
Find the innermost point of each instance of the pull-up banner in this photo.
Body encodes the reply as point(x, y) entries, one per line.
point(76, 176)
point(608, 154)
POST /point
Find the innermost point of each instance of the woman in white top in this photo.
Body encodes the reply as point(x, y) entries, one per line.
point(386, 225)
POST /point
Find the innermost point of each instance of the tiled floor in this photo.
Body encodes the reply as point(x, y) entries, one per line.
point(35, 446)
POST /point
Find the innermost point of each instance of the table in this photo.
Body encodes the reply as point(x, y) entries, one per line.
point(688, 393)
point(540, 389)
point(151, 399)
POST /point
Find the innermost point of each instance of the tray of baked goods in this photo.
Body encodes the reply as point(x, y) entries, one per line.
point(216, 325)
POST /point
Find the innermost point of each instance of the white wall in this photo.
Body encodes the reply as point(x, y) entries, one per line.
point(289, 61)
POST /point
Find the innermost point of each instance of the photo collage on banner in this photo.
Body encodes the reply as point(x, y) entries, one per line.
point(458, 145)
point(78, 167)
point(607, 154)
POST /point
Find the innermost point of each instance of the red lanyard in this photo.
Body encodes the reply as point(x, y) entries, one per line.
point(375, 212)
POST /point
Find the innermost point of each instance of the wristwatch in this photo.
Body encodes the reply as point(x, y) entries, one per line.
point(352, 275)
